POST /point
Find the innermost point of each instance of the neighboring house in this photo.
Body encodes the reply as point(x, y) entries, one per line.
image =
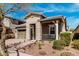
point(76, 33)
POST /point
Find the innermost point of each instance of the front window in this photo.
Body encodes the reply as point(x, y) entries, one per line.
point(51, 29)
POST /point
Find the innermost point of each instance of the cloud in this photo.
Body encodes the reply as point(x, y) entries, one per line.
point(74, 8)
point(72, 22)
point(55, 8)
point(68, 10)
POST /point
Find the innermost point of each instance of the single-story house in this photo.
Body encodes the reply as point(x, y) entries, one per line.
point(40, 27)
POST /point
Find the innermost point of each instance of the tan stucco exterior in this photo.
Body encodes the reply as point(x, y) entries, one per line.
point(38, 27)
point(42, 27)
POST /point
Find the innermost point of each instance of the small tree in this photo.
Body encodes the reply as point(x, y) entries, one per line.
point(67, 37)
point(4, 11)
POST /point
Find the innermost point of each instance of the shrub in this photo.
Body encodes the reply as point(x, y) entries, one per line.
point(40, 44)
point(42, 53)
point(39, 41)
point(50, 41)
point(58, 44)
point(66, 54)
point(66, 36)
point(1, 54)
point(75, 44)
point(36, 42)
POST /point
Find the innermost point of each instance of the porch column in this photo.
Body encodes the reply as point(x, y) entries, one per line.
point(27, 31)
point(56, 32)
point(63, 27)
point(38, 31)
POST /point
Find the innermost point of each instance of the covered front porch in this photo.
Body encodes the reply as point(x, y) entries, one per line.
point(44, 30)
point(50, 30)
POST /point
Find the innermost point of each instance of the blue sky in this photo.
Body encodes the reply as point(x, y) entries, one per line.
point(69, 10)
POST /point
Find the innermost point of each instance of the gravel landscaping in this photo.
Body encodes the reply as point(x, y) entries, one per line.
point(47, 50)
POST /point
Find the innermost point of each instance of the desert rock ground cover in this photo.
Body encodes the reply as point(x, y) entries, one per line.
point(43, 48)
point(47, 50)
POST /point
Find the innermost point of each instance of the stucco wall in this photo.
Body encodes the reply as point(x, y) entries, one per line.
point(21, 34)
point(32, 19)
point(45, 29)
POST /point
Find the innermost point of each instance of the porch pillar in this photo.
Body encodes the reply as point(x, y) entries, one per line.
point(63, 27)
point(38, 31)
point(56, 32)
point(27, 31)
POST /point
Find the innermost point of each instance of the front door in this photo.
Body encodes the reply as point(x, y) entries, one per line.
point(32, 32)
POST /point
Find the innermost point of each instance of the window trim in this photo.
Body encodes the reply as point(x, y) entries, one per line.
point(50, 27)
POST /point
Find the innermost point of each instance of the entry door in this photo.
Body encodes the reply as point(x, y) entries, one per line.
point(32, 33)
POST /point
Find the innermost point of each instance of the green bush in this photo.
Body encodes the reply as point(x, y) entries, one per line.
point(66, 54)
point(75, 44)
point(50, 41)
point(40, 44)
point(1, 54)
point(58, 44)
point(66, 36)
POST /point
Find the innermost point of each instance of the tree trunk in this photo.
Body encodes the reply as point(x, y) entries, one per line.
point(3, 48)
point(17, 52)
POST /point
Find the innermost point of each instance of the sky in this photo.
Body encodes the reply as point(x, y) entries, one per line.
point(69, 10)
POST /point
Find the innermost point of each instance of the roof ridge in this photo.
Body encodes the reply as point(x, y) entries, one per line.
point(35, 13)
point(55, 16)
